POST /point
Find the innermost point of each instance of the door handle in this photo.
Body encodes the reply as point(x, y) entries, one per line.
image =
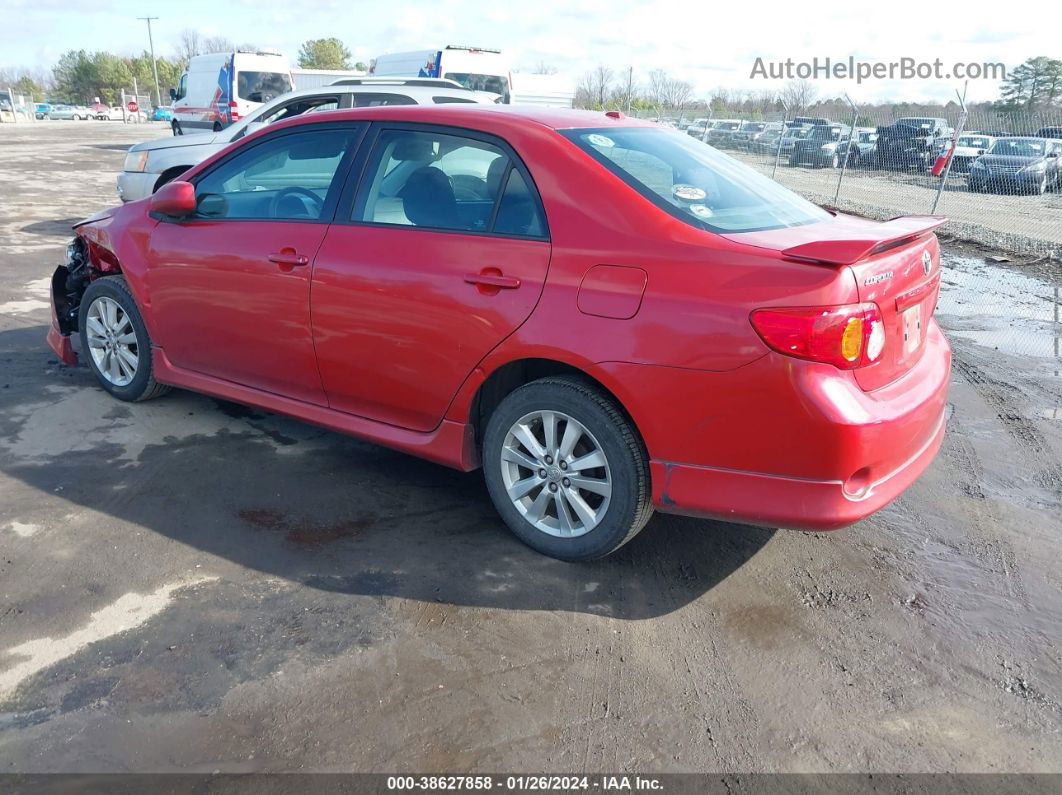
point(287, 259)
point(493, 279)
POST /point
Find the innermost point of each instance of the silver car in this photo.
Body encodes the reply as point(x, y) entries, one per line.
point(152, 164)
point(74, 112)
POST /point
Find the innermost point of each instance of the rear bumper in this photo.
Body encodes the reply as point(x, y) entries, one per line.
point(815, 452)
point(776, 500)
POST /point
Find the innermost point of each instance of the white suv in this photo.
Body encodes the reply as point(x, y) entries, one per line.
point(152, 164)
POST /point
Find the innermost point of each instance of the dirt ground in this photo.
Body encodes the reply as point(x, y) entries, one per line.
point(188, 584)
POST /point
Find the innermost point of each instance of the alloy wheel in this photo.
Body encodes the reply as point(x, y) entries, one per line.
point(556, 473)
point(112, 341)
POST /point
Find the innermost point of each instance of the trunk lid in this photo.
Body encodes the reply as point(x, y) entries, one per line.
point(895, 264)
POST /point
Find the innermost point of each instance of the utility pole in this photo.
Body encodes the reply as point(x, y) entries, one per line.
point(630, 86)
point(154, 65)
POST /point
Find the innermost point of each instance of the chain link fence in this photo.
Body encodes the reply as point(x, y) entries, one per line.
point(1002, 187)
point(16, 107)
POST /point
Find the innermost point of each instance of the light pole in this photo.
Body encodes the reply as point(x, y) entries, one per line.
point(154, 65)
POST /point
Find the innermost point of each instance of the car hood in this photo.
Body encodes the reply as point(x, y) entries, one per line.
point(176, 141)
point(1008, 160)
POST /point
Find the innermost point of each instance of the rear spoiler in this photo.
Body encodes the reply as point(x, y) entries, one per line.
point(893, 233)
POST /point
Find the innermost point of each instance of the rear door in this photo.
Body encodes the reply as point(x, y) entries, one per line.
point(439, 256)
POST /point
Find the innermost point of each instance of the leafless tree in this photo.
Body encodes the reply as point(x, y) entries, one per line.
point(799, 95)
point(596, 89)
point(543, 68)
point(665, 91)
point(189, 45)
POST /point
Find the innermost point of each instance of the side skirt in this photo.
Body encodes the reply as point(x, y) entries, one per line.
point(451, 444)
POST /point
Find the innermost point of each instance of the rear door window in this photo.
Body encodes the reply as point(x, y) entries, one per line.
point(261, 86)
point(440, 181)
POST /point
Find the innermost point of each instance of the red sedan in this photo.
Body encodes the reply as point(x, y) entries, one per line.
point(605, 315)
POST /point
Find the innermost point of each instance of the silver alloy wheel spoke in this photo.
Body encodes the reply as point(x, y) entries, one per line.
point(551, 451)
point(112, 341)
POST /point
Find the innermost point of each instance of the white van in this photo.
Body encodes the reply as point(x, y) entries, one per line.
point(472, 67)
point(546, 91)
point(223, 87)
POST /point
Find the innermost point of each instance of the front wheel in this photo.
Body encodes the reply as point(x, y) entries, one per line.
point(566, 469)
point(116, 341)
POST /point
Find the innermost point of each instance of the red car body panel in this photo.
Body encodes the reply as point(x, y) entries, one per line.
point(382, 336)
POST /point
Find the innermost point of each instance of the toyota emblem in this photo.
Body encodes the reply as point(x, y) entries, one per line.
point(927, 262)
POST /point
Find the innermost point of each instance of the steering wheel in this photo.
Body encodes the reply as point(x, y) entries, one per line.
point(313, 208)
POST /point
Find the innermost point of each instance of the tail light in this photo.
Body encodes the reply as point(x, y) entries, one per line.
point(233, 113)
point(847, 337)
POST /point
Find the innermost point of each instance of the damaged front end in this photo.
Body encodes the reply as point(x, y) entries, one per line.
point(68, 285)
point(88, 256)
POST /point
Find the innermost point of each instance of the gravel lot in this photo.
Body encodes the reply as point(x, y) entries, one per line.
point(189, 584)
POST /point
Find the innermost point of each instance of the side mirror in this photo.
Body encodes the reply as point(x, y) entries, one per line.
point(1052, 154)
point(173, 93)
point(980, 151)
point(175, 199)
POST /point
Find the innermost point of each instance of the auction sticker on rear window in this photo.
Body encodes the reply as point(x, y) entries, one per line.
point(600, 140)
point(689, 193)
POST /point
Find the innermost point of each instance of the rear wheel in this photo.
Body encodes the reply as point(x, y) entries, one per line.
point(566, 469)
point(217, 126)
point(116, 342)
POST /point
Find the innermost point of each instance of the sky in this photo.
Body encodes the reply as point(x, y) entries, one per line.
point(711, 43)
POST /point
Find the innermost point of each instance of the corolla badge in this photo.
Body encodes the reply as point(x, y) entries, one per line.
point(927, 262)
point(877, 278)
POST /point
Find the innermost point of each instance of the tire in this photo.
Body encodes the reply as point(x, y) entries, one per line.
point(835, 161)
point(176, 127)
point(1041, 186)
point(99, 298)
point(217, 127)
point(618, 515)
point(75, 117)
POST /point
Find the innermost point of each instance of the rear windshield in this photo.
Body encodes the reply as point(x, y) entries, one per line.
point(261, 86)
point(695, 182)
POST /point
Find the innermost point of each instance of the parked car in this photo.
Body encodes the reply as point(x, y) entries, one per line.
point(41, 110)
point(1018, 165)
point(821, 146)
point(910, 143)
point(1049, 132)
point(151, 164)
point(747, 133)
point(968, 148)
point(722, 130)
point(806, 121)
point(162, 113)
point(108, 113)
point(70, 112)
point(559, 297)
point(792, 134)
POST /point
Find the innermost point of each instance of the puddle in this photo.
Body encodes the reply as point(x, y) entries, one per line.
point(1000, 308)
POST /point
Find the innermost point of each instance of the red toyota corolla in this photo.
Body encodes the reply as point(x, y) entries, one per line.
point(606, 315)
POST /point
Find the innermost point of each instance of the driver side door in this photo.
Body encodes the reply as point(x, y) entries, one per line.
point(229, 285)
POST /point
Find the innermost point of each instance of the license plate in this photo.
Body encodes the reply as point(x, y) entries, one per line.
point(912, 328)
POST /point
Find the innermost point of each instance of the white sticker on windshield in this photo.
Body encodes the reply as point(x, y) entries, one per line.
point(600, 140)
point(701, 210)
point(689, 193)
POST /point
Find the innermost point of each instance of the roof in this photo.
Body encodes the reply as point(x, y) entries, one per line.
point(487, 114)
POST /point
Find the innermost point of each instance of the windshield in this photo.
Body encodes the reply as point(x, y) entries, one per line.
point(1018, 147)
point(262, 86)
point(916, 123)
point(694, 182)
point(867, 137)
point(974, 141)
point(753, 127)
point(495, 84)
